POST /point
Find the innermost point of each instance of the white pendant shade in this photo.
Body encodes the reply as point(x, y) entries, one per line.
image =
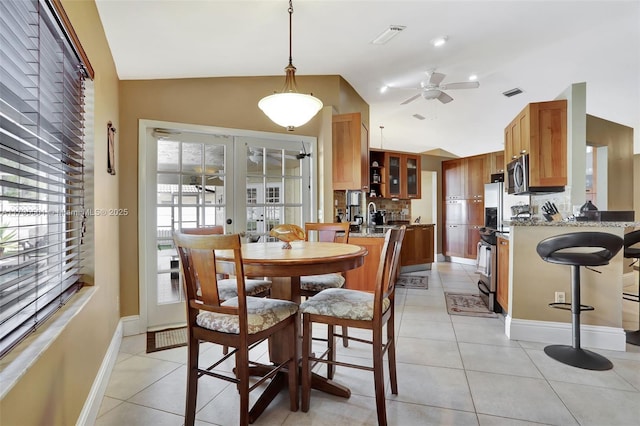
point(290, 109)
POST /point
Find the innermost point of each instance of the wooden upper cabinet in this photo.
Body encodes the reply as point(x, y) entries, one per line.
point(454, 175)
point(496, 163)
point(548, 150)
point(476, 176)
point(412, 176)
point(350, 152)
point(395, 174)
point(540, 130)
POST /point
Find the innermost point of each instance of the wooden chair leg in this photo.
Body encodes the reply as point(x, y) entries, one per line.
point(306, 366)
point(242, 373)
point(192, 381)
point(345, 339)
point(293, 368)
point(331, 355)
point(391, 355)
point(378, 377)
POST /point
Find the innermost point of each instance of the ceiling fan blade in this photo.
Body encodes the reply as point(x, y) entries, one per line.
point(411, 99)
point(444, 98)
point(462, 85)
point(435, 78)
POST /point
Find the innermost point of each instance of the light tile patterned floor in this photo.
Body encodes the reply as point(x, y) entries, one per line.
point(452, 370)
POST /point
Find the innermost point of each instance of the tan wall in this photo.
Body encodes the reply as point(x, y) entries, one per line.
point(619, 142)
point(534, 282)
point(220, 102)
point(53, 390)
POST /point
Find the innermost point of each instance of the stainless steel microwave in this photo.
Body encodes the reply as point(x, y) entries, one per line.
point(518, 175)
point(518, 183)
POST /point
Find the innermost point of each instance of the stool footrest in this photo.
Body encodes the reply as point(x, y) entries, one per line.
point(567, 306)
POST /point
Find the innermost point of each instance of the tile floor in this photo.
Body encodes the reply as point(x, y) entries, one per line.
point(452, 370)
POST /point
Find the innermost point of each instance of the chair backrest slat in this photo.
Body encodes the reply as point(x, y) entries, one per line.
point(197, 253)
point(388, 267)
point(327, 232)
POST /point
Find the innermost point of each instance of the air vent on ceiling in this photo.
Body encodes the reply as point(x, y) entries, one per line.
point(388, 34)
point(418, 116)
point(512, 92)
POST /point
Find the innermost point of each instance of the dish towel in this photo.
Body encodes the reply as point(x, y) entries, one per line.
point(481, 260)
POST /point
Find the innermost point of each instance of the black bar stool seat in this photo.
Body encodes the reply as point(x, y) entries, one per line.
point(631, 239)
point(558, 249)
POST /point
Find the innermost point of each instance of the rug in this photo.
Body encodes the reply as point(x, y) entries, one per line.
point(166, 339)
point(467, 304)
point(413, 281)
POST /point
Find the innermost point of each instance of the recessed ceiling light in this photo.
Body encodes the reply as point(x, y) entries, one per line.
point(388, 34)
point(439, 41)
point(383, 89)
point(473, 77)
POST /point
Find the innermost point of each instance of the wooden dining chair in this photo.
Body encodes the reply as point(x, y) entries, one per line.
point(359, 309)
point(311, 285)
point(254, 286)
point(240, 323)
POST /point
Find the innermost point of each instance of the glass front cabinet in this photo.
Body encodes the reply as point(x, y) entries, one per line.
point(394, 174)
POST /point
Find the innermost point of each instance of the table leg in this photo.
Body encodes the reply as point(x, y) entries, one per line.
point(288, 288)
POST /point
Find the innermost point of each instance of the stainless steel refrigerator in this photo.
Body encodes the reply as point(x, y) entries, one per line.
point(497, 205)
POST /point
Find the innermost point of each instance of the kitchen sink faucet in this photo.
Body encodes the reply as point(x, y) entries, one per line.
point(371, 203)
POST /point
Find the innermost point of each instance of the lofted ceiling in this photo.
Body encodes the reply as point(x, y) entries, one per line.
point(541, 47)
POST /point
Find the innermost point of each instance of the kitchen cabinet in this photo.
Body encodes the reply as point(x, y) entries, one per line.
point(463, 189)
point(350, 152)
point(502, 291)
point(364, 277)
point(540, 130)
point(395, 174)
point(453, 176)
point(455, 237)
point(417, 246)
point(476, 176)
point(496, 164)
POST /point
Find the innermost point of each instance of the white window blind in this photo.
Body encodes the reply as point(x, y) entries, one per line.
point(41, 166)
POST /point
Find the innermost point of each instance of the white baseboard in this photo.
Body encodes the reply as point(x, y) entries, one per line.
point(591, 336)
point(92, 404)
point(132, 325)
point(415, 268)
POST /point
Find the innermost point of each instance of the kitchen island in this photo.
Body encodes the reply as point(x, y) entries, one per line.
point(417, 252)
point(532, 284)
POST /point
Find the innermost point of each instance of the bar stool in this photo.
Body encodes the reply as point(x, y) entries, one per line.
point(556, 249)
point(630, 239)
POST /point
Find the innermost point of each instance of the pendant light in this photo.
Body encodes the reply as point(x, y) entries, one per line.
point(289, 108)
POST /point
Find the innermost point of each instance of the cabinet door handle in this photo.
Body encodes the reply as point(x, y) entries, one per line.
point(503, 243)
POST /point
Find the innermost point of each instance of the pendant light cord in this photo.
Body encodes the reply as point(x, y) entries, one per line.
point(290, 30)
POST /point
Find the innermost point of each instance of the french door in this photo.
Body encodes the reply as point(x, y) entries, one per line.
point(246, 182)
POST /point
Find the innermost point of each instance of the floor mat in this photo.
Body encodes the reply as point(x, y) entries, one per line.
point(413, 281)
point(467, 304)
point(166, 339)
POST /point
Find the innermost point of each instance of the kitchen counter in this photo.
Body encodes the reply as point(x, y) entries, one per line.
point(574, 224)
point(379, 231)
point(533, 282)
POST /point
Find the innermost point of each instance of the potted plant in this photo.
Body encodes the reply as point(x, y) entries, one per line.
point(7, 236)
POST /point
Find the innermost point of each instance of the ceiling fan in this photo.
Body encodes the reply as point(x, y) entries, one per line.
point(432, 89)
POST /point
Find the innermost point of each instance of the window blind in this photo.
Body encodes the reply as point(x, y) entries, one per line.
point(41, 166)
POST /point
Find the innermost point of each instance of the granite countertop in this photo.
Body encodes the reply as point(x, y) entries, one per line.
point(534, 221)
point(380, 230)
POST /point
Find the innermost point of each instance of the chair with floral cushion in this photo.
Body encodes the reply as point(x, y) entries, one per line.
point(311, 285)
point(254, 287)
point(240, 323)
point(359, 309)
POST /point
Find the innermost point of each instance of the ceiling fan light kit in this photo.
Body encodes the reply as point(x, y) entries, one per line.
point(289, 108)
point(432, 89)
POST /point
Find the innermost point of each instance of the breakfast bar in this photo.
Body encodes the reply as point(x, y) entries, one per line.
point(533, 283)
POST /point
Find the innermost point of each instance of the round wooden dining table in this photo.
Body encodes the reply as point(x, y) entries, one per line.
point(284, 267)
